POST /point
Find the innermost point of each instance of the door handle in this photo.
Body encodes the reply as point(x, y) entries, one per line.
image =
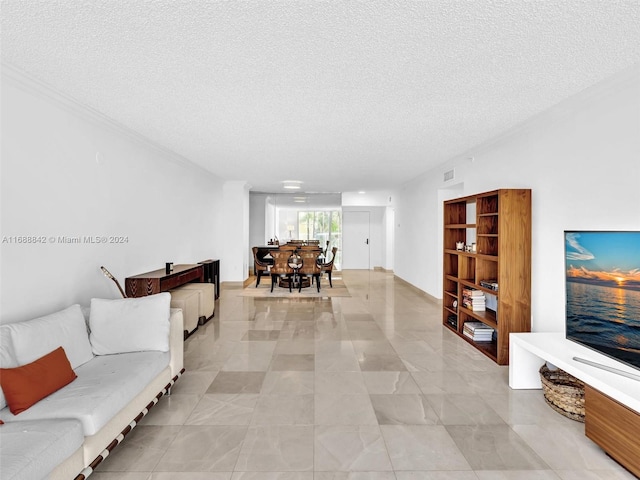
point(367, 242)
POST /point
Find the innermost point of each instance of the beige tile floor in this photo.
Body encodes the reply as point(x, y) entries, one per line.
point(367, 387)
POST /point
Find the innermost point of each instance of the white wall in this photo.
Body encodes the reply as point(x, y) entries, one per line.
point(257, 219)
point(581, 160)
point(259, 208)
point(69, 172)
point(388, 240)
point(377, 198)
point(236, 232)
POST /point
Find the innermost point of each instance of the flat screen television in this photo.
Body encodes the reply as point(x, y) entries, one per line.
point(603, 292)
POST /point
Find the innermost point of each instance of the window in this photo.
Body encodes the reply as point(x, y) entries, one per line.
point(322, 226)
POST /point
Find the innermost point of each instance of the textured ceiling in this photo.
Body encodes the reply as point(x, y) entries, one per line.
point(341, 95)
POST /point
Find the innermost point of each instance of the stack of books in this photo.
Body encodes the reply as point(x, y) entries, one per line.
point(478, 331)
point(473, 299)
point(489, 284)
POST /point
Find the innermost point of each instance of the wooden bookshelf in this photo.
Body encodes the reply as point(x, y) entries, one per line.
point(499, 223)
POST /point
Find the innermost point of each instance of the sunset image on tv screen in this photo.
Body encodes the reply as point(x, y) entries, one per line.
point(603, 292)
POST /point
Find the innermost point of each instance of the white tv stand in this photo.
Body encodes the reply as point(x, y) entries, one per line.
point(612, 401)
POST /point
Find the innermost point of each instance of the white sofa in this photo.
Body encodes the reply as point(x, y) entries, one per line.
point(68, 433)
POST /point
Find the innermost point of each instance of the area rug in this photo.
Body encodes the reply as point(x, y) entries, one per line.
point(264, 290)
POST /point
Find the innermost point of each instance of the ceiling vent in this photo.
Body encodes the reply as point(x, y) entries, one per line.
point(449, 175)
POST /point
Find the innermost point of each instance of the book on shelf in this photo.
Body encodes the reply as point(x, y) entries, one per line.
point(478, 338)
point(475, 307)
point(478, 331)
point(476, 326)
point(471, 292)
point(473, 299)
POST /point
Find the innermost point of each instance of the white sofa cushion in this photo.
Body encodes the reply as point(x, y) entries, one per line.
point(130, 324)
point(7, 360)
point(31, 450)
point(67, 329)
point(104, 386)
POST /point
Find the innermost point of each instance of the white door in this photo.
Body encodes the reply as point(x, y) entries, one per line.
point(355, 240)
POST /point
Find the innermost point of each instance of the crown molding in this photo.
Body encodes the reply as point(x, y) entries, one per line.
point(38, 88)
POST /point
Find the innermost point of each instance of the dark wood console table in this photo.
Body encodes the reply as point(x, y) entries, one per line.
point(158, 281)
point(212, 273)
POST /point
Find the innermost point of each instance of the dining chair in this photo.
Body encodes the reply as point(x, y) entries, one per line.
point(310, 248)
point(328, 267)
point(310, 268)
point(259, 266)
point(281, 268)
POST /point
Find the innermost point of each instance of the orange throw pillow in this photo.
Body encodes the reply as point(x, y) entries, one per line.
point(26, 385)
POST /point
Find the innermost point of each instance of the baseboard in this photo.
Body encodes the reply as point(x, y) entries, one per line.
point(382, 269)
point(232, 285)
point(420, 292)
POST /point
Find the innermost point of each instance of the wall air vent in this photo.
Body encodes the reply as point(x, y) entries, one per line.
point(448, 175)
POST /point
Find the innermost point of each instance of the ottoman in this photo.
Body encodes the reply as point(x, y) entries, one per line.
point(189, 302)
point(207, 298)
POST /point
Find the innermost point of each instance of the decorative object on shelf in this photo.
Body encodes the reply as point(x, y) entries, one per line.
point(460, 246)
point(489, 284)
point(563, 392)
point(473, 248)
point(454, 305)
point(168, 267)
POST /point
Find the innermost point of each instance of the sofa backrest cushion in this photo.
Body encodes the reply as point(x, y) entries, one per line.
point(67, 329)
point(130, 324)
point(26, 385)
point(7, 360)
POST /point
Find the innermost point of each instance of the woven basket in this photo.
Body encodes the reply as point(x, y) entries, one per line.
point(563, 393)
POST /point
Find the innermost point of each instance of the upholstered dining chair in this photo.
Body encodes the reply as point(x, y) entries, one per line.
point(310, 268)
point(310, 248)
point(281, 267)
point(260, 266)
point(328, 267)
